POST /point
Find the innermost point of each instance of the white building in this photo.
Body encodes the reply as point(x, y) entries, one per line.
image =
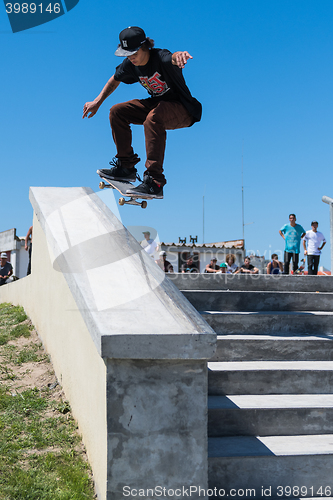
point(178, 253)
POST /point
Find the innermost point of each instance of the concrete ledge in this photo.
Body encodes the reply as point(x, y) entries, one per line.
point(130, 308)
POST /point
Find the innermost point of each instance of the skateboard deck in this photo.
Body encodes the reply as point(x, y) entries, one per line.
point(121, 187)
point(301, 267)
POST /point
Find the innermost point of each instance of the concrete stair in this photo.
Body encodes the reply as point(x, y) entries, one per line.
point(274, 348)
point(258, 322)
point(277, 464)
point(263, 301)
point(270, 377)
point(270, 403)
point(266, 415)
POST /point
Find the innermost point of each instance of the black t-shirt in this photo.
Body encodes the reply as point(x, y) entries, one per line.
point(213, 266)
point(250, 268)
point(189, 268)
point(161, 79)
point(167, 266)
point(4, 271)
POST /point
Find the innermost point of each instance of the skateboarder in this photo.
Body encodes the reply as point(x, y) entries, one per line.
point(170, 106)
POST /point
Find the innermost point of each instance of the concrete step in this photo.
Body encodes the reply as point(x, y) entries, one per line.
point(272, 463)
point(265, 415)
point(296, 322)
point(259, 282)
point(274, 347)
point(270, 377)
point(232, 300)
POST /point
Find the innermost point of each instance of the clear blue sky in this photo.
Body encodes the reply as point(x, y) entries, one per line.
point(263, 72)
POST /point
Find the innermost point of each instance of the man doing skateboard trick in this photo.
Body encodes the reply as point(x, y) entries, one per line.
point(169, 107)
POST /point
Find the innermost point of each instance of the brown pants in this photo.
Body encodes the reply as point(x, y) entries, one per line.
point(156, 117)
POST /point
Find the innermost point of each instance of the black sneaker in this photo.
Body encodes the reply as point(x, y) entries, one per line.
point(147, 188)
point(118, 172)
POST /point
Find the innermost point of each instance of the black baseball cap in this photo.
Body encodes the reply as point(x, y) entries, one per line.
point(131, 39)
point(314, 222)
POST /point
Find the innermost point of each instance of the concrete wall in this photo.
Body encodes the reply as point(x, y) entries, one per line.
point(255, 282)
point(81, 371)
point(127, 347)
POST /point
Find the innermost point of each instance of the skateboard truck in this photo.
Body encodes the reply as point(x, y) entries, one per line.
point(122, 201)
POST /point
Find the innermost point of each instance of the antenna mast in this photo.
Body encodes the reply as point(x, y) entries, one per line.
point(203, 219)
point(243, 224)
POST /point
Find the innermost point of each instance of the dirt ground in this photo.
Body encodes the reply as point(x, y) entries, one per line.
point(28, 375)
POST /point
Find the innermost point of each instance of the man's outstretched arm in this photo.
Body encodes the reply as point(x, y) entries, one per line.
point(91, 108)
point(180, 58)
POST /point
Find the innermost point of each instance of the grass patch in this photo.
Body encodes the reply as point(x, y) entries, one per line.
point(41, 454)
point(11, 315)
point(30, 353)
point(11, 319)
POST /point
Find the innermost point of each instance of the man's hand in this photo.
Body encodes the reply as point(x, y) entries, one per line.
point(180, 58)
point(90, 107)
point(93, 106)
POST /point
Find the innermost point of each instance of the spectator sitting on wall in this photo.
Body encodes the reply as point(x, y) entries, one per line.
point(247, 267)
point(6, 269)
point(189, 266)
point(212, 267)
point(274, 266)
point(223, 268)
point(164, 264)
point(230, 261)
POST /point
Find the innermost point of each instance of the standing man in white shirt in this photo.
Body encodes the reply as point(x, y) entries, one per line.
point(148, 244)
point(316, 242)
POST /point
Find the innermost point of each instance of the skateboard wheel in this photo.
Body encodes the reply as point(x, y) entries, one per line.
point(101, 185)
point(121, 201)
point(144, 204)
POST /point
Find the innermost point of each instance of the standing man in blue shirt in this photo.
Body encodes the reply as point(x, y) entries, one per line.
point(292, 233)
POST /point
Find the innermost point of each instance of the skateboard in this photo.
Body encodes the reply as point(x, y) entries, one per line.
point(301, 268)
point(121, 187)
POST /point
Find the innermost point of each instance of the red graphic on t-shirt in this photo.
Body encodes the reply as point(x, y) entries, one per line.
point(153, 84)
